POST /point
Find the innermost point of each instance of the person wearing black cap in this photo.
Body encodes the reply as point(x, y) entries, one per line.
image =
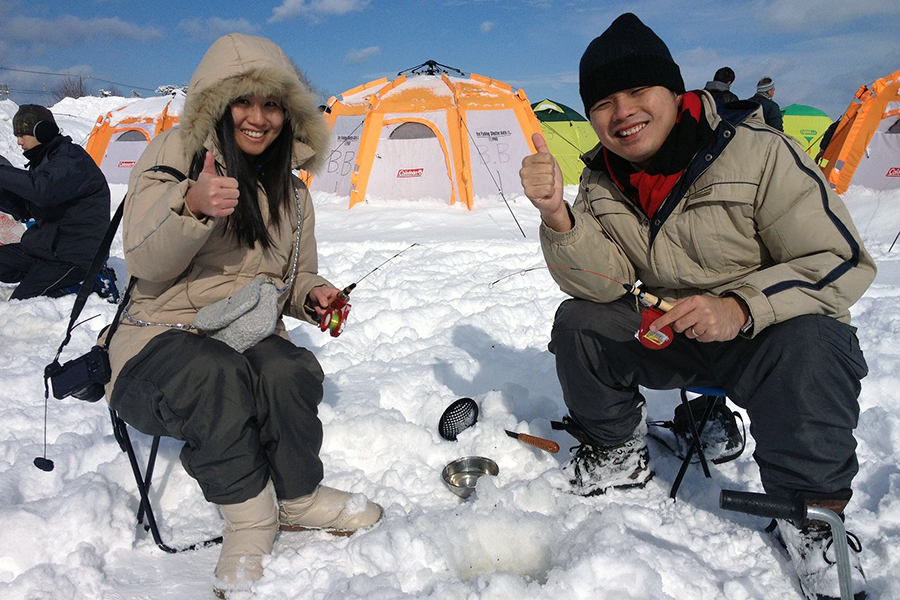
point(758, 261)
point(66, 195)
point(765, 90)
point(720, 86)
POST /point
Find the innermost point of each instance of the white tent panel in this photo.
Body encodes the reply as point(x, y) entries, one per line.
point(410, 168)
point(879, 169)
point(124, 149)
point(334, 176)
point(496, 148)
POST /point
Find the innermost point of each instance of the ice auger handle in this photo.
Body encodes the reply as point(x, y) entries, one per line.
point(763, 505)
point(797, 511)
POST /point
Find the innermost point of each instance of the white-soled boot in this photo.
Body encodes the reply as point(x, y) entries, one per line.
point(249, 534)
point(335, 511)
point(812, 552)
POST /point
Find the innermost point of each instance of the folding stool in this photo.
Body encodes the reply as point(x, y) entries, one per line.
point(120, 430)
point(714, 395)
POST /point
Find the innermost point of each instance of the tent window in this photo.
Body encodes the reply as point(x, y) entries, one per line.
point(411, 131)
point(132, 136)
point(895, 128)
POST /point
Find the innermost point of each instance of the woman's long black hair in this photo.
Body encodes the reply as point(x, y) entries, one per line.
point(271, 169)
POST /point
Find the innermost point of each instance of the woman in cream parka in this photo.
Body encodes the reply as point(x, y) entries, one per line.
point(211, 206)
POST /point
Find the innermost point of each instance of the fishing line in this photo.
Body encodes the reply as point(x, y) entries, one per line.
point(562, 268)
point(484, 162)
point(894, 242)
point(548, 125)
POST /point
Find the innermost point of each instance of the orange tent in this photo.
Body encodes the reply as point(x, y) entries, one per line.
point(433, 132)
point(865, 147)
point(120, 136)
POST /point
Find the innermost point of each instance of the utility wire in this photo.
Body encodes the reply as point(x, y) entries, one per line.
point(33, 72)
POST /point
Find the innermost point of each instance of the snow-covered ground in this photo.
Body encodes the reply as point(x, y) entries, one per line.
point(424, 330)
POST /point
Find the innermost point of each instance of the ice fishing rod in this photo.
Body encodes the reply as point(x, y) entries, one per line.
point(339, 307)
point(646, 298)
point(653, 307)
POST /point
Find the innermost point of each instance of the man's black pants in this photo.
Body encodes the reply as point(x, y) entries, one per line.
point(798, 381)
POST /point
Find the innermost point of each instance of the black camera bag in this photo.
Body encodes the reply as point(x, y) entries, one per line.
point(84, 377)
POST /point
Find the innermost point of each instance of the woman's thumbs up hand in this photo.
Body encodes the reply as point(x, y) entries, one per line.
point(212, 195)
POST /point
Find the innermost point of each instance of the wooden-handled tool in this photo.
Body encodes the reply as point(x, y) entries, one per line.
point(537, 442)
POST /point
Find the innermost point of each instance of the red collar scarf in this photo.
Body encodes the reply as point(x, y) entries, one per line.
point(649, 188)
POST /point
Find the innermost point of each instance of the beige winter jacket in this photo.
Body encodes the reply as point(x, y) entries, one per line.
point(752, 216)
point(182, 262)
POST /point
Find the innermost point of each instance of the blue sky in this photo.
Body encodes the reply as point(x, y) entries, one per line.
point(818, 51)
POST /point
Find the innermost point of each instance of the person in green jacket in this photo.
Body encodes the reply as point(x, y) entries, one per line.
point(758, 260)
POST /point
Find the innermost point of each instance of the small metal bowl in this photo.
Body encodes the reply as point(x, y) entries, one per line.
point(461, 475)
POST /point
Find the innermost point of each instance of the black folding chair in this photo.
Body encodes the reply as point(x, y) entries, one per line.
point(120, 430)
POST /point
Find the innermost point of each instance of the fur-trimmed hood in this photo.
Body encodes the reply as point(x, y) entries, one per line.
point(242, 65)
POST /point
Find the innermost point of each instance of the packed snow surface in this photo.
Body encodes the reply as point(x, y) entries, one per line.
point(424, 329)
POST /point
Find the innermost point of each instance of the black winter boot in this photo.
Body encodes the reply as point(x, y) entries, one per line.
point(595, 468)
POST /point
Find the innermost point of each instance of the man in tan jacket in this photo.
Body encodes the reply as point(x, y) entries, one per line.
point(737, 230)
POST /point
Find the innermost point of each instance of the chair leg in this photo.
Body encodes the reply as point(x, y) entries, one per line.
point(120, 430)
point(696, 430)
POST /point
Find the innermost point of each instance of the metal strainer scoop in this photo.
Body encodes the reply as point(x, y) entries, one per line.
point(460, 415)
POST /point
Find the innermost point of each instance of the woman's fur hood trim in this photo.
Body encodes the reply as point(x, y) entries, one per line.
point(242, 65)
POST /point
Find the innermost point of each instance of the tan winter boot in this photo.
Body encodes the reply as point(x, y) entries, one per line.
point(335, 511)
point(249, 534)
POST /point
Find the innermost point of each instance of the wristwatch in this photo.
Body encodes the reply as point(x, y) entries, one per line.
point(748, 325)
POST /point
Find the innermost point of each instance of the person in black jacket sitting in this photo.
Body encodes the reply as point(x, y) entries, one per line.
point(65, 193)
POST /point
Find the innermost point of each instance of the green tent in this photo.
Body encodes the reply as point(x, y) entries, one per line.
point(568, 135)
point(805, 124)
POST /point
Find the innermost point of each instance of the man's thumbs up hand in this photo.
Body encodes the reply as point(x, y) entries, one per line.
point(543, 184)
point(540, 144)
point(212, 195)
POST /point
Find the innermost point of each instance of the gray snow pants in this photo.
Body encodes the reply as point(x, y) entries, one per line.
point(798, 381)
point(244, 418)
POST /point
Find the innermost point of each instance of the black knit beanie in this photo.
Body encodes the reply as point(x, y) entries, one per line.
point(627, 55)
point(36, 120)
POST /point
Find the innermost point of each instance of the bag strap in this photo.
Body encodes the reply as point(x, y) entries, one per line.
point(169, 171)
point(97, 264)
point(87, 286)
point(115, 322)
